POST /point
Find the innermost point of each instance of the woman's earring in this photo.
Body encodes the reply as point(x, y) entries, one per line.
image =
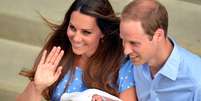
point(102, 38)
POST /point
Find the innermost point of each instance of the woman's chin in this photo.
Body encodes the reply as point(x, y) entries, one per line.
point(77, 52)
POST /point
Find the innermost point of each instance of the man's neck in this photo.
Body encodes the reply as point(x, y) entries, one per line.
point(161, 57)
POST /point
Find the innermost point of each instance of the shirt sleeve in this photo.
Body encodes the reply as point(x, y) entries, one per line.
point(197, 96)
point(126, 79)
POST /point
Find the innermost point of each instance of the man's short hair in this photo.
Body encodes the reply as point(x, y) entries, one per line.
point(150, 13)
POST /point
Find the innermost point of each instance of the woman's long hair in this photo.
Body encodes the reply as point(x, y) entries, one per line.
point(103, 66)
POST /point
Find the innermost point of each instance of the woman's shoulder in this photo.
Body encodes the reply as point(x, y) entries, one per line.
point(126, 79)
point(126, 65)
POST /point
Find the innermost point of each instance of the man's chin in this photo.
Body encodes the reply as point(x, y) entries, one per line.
point(137, 62)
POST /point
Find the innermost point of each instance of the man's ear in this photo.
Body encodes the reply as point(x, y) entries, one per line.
point(159, 34)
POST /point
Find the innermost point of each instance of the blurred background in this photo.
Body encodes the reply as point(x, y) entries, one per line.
point(23, 32)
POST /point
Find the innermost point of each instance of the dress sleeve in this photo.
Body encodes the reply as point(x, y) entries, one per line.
point(126, 79)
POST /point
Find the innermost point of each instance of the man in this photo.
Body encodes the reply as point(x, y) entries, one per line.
point(163, 71)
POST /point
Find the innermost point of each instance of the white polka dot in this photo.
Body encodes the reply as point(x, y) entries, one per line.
point(126, 77)
point(121, 78)
point(129, 71)
point(76, 78)
point(65, 81)
point(77, 68)
point(68, 91)
point(58, 93)
point(74, 88)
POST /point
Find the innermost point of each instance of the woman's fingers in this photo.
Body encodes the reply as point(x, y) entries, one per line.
point(55, 55)
point(49, 57)
point(54, 58)
point(58, 58)
point(58, 72)
point(43, 57)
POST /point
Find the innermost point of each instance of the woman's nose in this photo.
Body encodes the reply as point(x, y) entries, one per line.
point(77, 37)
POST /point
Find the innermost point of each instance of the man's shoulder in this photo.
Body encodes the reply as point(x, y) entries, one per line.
point(185, 55)
point(188, 57)
point(191, 64)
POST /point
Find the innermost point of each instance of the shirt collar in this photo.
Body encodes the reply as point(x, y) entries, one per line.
point(171, 67)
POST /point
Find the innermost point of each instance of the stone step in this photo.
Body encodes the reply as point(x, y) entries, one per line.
point(14, 57)
point(22, 23)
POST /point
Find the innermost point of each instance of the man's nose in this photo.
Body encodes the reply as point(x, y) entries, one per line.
point(127, 49)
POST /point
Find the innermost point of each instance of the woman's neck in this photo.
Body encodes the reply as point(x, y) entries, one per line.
point(81, 61)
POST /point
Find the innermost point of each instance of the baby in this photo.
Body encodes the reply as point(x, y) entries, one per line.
point(87, 96)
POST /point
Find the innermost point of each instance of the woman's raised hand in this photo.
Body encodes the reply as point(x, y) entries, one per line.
point(48, 71)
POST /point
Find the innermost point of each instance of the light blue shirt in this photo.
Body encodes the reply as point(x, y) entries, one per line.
point(125, 81)
point(178, 80)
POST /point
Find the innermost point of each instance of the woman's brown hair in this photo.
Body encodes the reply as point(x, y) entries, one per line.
point(103, 66)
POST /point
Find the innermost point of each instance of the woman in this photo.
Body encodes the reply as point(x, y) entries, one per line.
point(85, 51)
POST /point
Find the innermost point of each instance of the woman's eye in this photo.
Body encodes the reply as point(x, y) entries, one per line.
point(72, 28)
point(86, 32)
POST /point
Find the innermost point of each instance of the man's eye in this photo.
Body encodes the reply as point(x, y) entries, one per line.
point(134, 43)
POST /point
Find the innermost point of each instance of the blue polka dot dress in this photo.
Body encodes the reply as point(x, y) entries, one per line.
point(125, 80)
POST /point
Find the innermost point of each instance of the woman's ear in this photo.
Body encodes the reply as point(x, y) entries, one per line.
point(102, 35)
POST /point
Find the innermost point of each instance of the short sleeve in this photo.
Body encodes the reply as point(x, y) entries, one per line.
point(76, 85)
point(126, 79)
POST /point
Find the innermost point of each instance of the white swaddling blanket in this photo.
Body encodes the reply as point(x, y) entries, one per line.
point(87, 95)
